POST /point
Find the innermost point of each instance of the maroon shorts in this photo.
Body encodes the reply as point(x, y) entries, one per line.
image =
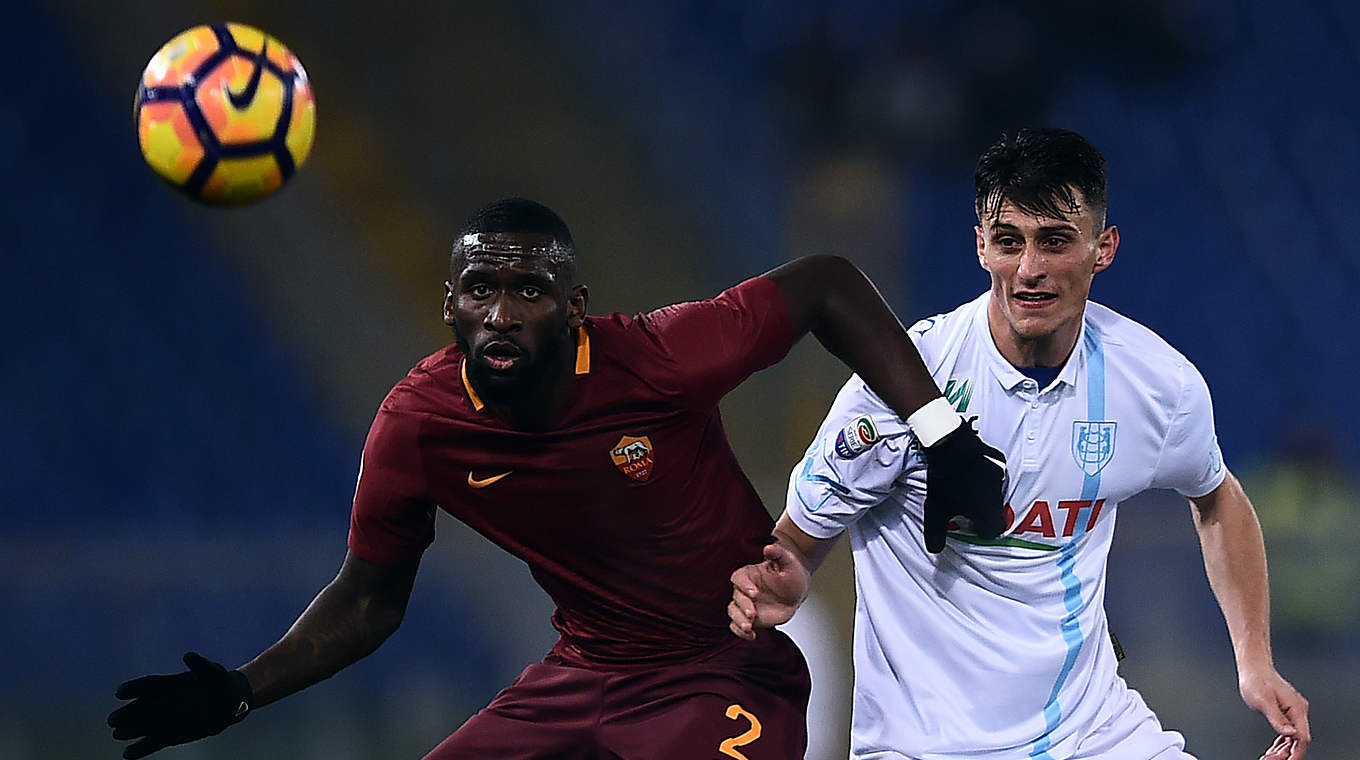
point(748, 701)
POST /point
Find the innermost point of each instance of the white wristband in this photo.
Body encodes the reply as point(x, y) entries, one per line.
point(934, 421)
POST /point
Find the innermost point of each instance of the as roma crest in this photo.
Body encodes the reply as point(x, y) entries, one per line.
point(633, 457)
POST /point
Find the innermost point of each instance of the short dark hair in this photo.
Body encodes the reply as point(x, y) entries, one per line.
point(518, 215)
point(1037, 170)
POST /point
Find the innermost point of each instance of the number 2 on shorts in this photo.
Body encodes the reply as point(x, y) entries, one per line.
point(729, 746)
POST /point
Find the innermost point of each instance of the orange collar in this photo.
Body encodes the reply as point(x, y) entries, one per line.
point(582, 366)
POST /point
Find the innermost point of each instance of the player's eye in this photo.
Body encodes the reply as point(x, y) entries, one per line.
point(1006, 241)
point(479, 290)
point(1057, 241)
point(530, 292)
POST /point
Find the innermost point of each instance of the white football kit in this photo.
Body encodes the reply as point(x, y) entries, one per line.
point(1000, 649)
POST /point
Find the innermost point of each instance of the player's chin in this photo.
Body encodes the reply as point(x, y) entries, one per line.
point(1035, 326)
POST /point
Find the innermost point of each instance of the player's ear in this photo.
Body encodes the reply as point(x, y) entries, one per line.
point(448, 303)
point(1106, 246)
point(576, 306)
point(980, 239)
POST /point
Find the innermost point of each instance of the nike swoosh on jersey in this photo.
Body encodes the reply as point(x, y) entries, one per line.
point(476, 482)
point(244, 98)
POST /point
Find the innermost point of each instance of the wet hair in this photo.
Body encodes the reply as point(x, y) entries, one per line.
point(518, 215)
point(1037, 170)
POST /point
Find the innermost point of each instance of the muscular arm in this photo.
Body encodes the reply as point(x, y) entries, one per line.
point(829, 297)
point(1235, 561)
point(351, 616)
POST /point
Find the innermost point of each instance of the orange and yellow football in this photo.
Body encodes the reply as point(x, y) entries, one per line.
point(225, 113)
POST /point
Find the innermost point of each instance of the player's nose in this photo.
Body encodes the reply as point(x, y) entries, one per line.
point(501, 315)
point(1033, 265)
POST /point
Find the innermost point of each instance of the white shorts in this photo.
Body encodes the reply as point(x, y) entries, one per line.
point(1133, 733)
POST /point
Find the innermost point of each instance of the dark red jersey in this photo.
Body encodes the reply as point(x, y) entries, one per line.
point(631, 512)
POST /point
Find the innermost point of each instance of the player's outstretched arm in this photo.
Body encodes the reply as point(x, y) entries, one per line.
point(351, 616)
point(767, 593)
point(829, 297)
point(1235, 561)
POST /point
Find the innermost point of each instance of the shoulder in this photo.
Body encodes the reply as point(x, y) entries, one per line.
point(756, 296)
point(1125, 337)
point(432, 386)
point(1134, 350)
point(694, 353)
point(624, 349)
point(617, 335)
point(934, 335)
point(747, 320)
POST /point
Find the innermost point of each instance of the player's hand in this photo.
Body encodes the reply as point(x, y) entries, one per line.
point(964, 476)
point(1265, 691)
point(168, 710)
point(1282, 749)
point(768, 593)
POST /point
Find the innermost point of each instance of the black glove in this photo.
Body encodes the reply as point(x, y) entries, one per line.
point(168, 710)
point(964, 476)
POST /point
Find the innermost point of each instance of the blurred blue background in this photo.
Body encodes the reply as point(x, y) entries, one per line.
point(185, 391)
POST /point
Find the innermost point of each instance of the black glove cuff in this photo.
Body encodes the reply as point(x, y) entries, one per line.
point(243, 696)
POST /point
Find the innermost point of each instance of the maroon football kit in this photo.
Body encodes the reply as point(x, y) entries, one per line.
point(631, 512)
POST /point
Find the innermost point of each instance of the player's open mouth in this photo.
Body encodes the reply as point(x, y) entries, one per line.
point(1035, 300)
point(500, 354)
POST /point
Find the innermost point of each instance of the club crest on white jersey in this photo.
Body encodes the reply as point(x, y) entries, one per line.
point(1093, 444)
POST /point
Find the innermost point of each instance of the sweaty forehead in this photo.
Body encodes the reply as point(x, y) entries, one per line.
point(512, 244)
point(519, 264)
point(519, 251)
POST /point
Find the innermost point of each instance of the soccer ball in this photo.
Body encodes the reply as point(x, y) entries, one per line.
point(225, 113)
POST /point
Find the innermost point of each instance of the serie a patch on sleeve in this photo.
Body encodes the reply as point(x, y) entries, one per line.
point(856, 438)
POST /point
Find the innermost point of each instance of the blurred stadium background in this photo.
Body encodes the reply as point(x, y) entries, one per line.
point(185, 391)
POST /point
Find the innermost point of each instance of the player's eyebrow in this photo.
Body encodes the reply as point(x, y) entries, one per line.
point(484, 266)
point(1065, 227)
point(1044, 229)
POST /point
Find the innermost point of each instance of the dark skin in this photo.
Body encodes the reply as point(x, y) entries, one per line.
point(351, 616)
point(516, 317)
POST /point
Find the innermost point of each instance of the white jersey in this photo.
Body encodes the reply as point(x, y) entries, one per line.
point(999, 649)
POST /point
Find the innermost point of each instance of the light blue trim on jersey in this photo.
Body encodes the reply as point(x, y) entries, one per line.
point(833, 487)
point(1067, 558)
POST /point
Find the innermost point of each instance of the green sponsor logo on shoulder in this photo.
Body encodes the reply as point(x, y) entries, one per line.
point(959, 393)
